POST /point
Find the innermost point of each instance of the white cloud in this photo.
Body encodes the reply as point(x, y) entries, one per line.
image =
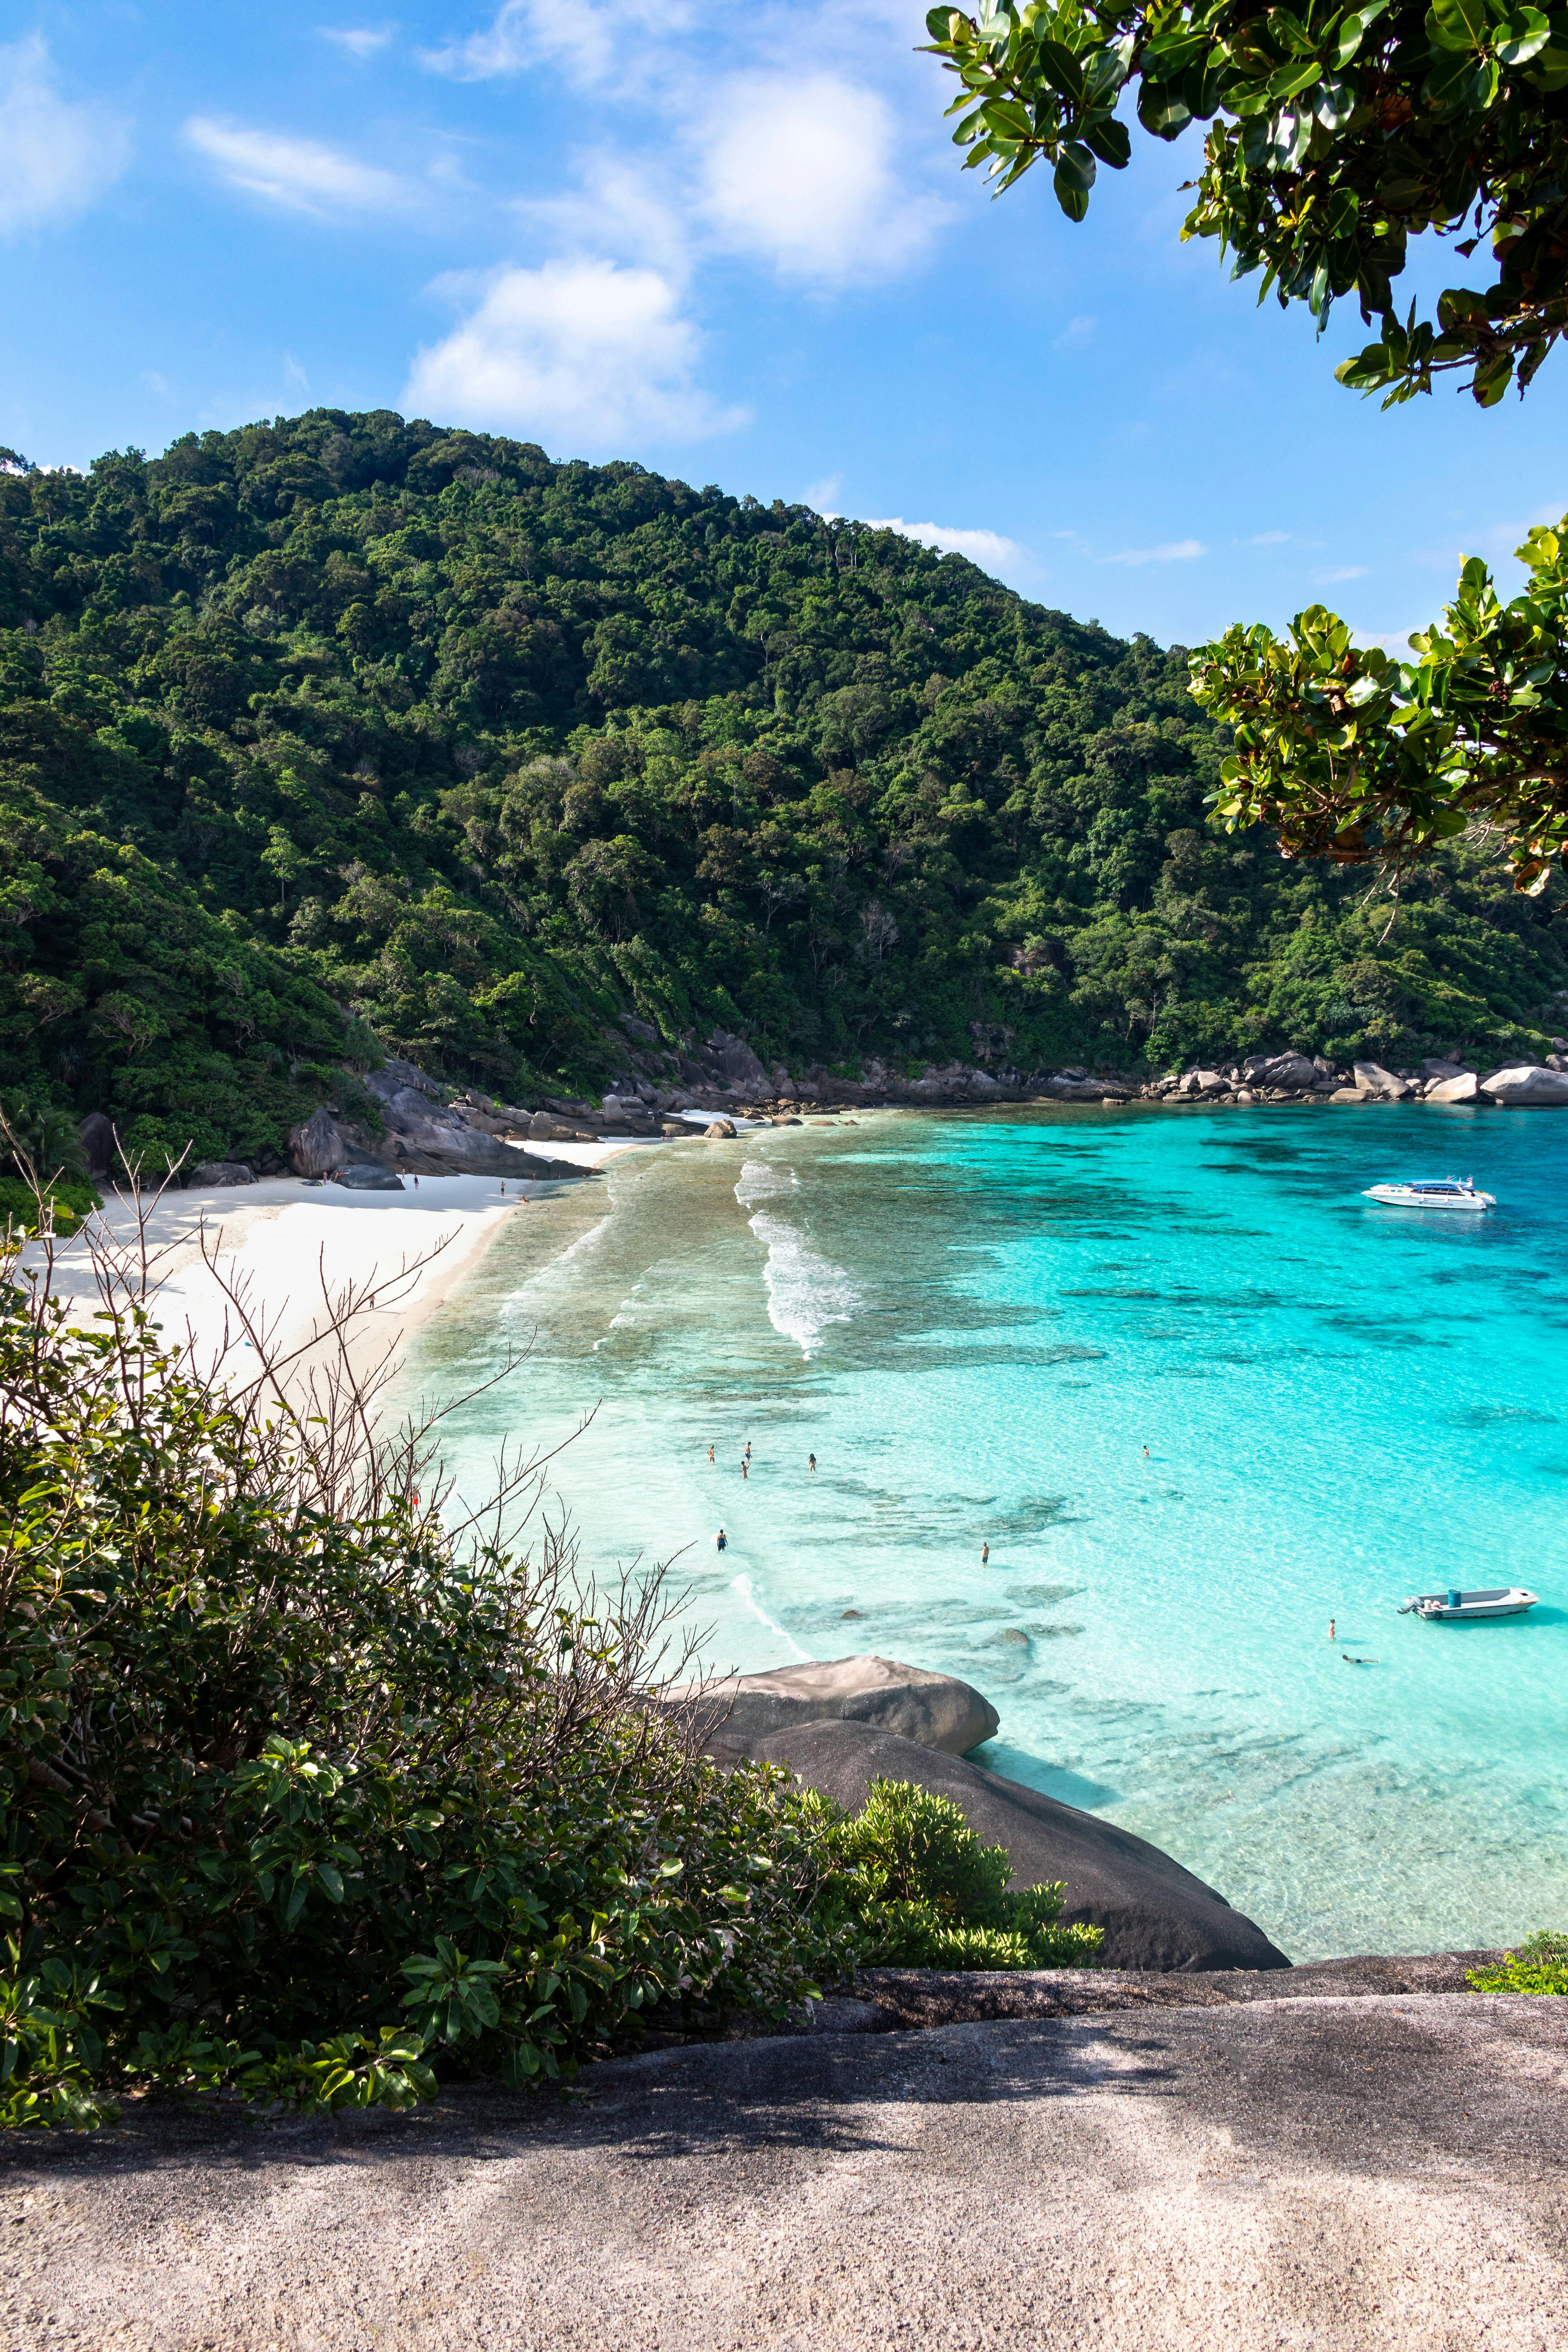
point(582, 353)
point(294, 376)
point(800, 171)
point(1175, 550)
point(584, 40)
point(295, 173)
point(1345, 572)
point(359, 40)
point(55, 157)
point(820, 495)
point(987, 548)
point(620, 209)
point(1268, 538)
point(1076, 330)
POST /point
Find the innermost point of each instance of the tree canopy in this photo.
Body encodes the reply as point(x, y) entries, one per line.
point(340, 732)
point(1337, 135)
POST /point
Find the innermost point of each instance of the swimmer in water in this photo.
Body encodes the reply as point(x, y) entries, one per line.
point(744, 1473)
point(710, 1453)
point(747, 1449)
point(811, 1464)
point(721, 1541)
point(1146, 1454)
point(1331, 1629)
point(984, 1553)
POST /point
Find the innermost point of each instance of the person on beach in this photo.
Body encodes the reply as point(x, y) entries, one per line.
point(811, 1464)
point(722, 1541)
point(984, 1553)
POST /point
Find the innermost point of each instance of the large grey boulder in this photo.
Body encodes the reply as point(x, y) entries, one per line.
point(1527, 1086)
point(1372, 1079)
point(1155, 1914)
point(1295, 1073)
point(220, 1172)
point(1435, 1066)
point(937, 1711)
point(1466, 1087)
point(365, 1176)
point(736, 1060)
point(317, 1148)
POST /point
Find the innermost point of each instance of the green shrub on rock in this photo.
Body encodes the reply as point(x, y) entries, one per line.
point(923, 1892)
point(1539, 1966)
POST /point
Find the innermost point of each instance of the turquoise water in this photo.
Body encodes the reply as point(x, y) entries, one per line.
point(978, 1323)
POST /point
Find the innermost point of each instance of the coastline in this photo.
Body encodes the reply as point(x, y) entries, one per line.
point(288, 1248)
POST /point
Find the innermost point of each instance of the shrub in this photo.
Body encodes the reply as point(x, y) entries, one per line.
point(1541, 1966)
point(310, 1786)
point(68, 1203)
point(921, 1891)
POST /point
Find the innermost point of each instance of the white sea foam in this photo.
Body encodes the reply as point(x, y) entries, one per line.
point(807, 1292)
point(743, 1585)
point(760, 1181)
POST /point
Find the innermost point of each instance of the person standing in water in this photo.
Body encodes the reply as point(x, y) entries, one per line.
point(744, 1470)
point(811, 1464)
point(710, 1453)
point(1331, 1629)
point(747, 1449)
point(984, 1553)
point(722, 1541)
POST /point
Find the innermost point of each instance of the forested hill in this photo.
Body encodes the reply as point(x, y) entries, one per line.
point(345, 733)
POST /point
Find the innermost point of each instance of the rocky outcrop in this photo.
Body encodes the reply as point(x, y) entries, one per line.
point(1155, 1914)
point(937, 1711)
point(721, 1130)
point(1463, 1087)
point(317, 1146)
point(1526, 1086)
point(365, 1176)
point(221, 1173)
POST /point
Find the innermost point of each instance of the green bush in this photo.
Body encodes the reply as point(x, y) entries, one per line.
point(1540, 1966)
point(920, 1890)
point(71, 1202)
point(302, 1792)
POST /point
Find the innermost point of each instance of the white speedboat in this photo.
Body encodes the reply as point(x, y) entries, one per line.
point(1431, 1193)
point(1501, 1601)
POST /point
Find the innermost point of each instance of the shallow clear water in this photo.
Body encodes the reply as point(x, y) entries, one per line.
point(978, 1323)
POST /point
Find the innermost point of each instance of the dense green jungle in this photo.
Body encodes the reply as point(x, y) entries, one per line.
point(341, 734)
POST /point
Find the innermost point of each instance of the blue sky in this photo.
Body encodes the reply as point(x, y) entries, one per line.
point(735, 246)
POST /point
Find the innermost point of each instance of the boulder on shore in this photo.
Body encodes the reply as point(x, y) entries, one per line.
point(1372, 1079)
point(317, 1148)
point(1527, 1086)
point(936, 1711)
point(98, 1144)
point(222, 1171)
point(1155, 1914)
point(367, 1176)
point(1465, 1087)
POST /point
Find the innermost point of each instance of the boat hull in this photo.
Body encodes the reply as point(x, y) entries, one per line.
point(1392, 1196)
point(1472, 1606)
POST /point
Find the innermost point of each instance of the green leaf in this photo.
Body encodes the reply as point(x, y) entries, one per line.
point(1528, 32)
point(1074, 177)
point(1062, 70)
point(1458, 24)
point(1162, 111)
point(1111, 141)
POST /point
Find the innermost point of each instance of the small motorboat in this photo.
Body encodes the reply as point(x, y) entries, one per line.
point(1431, 1193)
point(1501, 1601)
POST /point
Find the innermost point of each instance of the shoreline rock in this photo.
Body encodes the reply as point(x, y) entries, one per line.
point(1157, 1916)
point(937, 1712)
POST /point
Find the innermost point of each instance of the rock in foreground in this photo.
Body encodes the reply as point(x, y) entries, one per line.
point(1527, 1087)
point(1155, 1914)
point(934, 1710)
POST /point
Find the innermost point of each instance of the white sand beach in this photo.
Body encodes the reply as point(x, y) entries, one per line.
point(285, 1248)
